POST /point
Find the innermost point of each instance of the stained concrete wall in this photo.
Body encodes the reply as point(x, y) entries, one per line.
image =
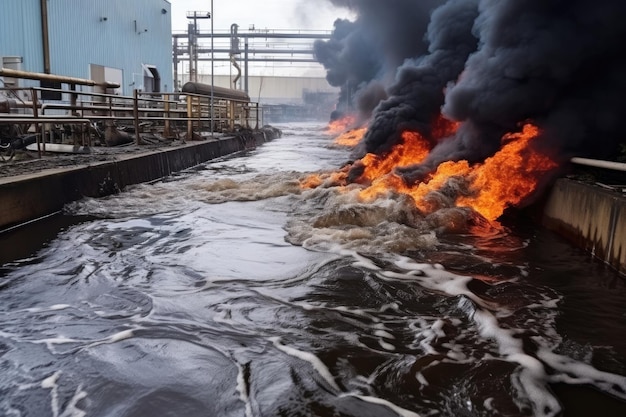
point(592, 217)
point(27, 197)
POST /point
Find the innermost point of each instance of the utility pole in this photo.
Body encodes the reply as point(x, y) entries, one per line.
point(212, 70)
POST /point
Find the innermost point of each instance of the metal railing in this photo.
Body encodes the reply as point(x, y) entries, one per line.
point(182, 116)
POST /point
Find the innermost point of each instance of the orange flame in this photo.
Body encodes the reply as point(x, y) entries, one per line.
point(501, 181)
point(412, 149)
point(351, 138)
point(509, 176)
point(341, 125)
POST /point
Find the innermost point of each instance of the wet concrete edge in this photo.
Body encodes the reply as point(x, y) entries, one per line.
point(28, 197)
point(592, 218)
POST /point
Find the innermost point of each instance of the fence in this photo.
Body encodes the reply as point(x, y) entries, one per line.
point(80, 117)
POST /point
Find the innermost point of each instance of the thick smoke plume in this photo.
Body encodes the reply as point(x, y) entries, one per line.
point(362, 56)
point(490, 65)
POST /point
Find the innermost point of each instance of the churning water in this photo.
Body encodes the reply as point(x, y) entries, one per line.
point(230, 291)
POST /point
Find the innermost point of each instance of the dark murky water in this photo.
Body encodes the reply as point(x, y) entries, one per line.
point(227, 291)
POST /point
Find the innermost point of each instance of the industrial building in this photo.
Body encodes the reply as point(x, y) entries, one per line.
point(118, 41)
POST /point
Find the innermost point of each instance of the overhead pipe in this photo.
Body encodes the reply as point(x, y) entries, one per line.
point(56, 78)
point(597, 163)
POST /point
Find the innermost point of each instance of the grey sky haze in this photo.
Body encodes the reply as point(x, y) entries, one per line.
point(263, 14)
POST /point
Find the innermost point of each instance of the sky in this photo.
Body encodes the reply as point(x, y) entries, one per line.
point(263, 14)
point(282, 15)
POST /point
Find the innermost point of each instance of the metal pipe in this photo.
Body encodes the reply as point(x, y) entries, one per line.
point(233, 60)
point(175, 59)
point(246, 66)
point(294, 60)
point(212, 103)
point(255, 51)
point(45, 37)
point(271, 35)
point(51, 77)
point(136, 116)
point(597, 163)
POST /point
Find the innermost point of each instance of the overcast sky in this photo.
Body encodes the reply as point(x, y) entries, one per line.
point(263, 14)
point(285, 15)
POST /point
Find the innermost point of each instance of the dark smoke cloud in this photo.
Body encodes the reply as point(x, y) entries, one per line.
point(492, 65)
point(417, 95)
point(558, 63)
point(363, 56)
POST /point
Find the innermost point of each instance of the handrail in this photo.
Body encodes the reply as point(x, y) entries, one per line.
point(598, 163)
point(169, 113)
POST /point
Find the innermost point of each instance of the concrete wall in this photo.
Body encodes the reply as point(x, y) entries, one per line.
point(28, 197)
point(593, 218)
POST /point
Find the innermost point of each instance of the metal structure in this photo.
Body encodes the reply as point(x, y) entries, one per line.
point(81, 116)
point(192, 32)
point(267, 46)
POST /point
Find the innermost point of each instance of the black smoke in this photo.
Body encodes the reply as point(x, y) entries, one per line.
point(362, 56)
point(556, 63)
point(491, 65)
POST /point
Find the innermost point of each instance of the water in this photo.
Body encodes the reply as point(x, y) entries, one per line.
point(229, 291)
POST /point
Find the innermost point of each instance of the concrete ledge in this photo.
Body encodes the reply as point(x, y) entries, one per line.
point(27, 197)
point(593, 218)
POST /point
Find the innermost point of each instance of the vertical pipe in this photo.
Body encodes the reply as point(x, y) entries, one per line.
point(175, 55)
point(195, 47)
point(136, 116)
point(246, 67)
point(45, 40)
point(212, 103)
point(190, 41)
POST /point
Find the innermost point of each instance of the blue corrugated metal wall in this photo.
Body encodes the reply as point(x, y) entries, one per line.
point(121, 34)
point(20, 32)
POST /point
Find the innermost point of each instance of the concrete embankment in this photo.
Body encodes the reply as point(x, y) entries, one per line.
point(30, 196)
point(592, 217)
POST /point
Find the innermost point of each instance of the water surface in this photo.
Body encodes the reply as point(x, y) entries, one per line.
point(227, 290)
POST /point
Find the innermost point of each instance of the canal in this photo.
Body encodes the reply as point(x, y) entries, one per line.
point(229, 290)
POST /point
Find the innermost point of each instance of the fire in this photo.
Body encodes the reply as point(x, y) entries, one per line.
point(412, 149)
point(509, 176)
point(336, 127)
point(443, 128)
point(351, 138)
point(501, 181)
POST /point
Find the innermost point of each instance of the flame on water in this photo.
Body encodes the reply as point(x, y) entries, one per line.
point(509, 176)
point(328, 179)
point(339, 126)
point(351, 138)
point(503, 180)
point(412, 149)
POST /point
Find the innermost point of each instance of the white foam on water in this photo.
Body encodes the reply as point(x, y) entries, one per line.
point(71, 407)
point(242, 388)
point(576, 372)
point(403, 412)
point(55, 307)
point(313, 360)
point(386, 346)
point(117, 337)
